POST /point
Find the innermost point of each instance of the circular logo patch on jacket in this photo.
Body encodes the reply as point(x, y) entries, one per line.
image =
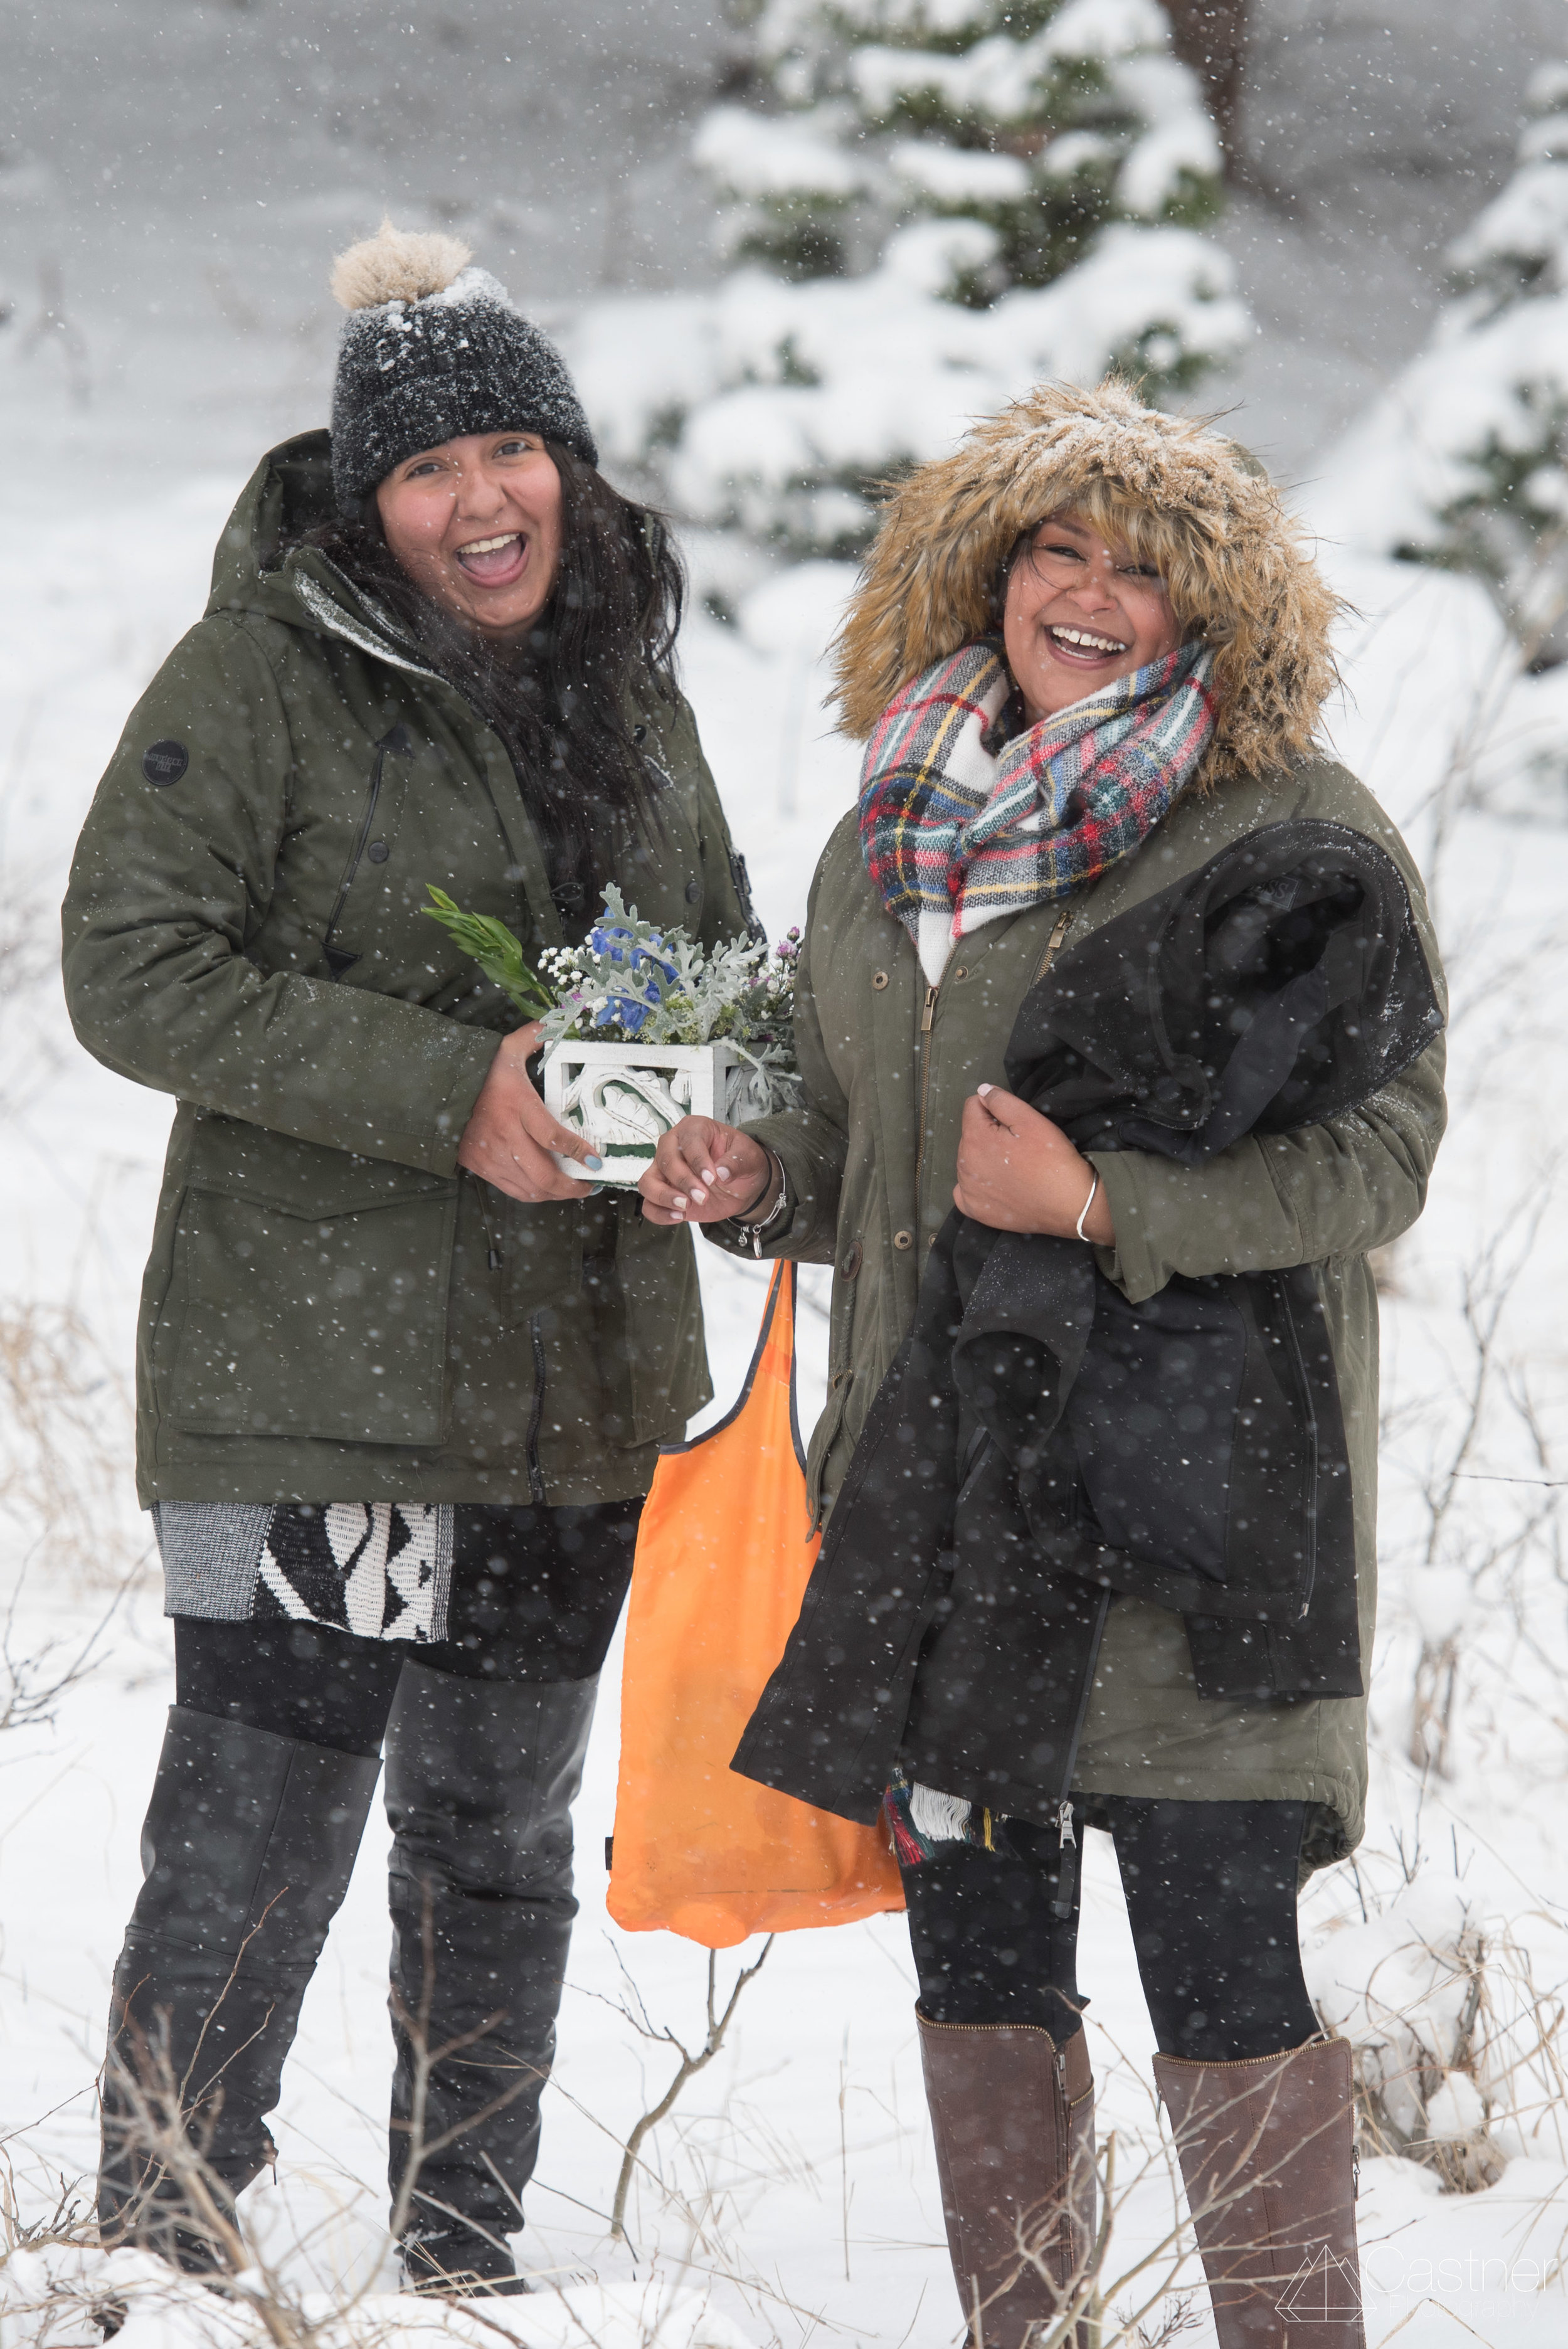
point(164, 762)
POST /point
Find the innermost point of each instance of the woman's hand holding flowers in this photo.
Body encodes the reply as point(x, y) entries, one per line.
point(1019, 1173)
point(511, 1135)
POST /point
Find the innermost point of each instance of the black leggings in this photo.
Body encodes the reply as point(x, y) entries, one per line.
point(535, 1597)
point(1210, 1896)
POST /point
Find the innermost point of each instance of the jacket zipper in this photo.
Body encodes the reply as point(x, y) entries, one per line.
point(1300, 1361)
point(928, 1013)
point(1054, 943)
point(1066, 1877)
point(397, 740)
point(536, 1413)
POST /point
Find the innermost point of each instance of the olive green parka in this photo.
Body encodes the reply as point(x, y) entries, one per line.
point(332, 1311)
point(889, 1062)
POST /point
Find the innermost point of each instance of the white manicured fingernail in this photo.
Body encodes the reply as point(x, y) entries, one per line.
point(984, 1089)
point(698, 1194)
point(707, 1175)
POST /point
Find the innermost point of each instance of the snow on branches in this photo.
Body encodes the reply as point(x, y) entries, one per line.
point(926, 205)
point(1463, 461)
point(1042, 122)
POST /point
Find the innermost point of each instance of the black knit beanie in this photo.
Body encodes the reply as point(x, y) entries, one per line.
point(432, 350)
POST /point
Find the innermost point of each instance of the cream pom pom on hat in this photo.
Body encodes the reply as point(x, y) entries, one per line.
point(432, 348)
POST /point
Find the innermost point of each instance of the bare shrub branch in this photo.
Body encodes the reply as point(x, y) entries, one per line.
point(692, 2062)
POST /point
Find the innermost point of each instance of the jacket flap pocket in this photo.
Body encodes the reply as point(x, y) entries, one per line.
point(331, 1324)
point(299, 1178)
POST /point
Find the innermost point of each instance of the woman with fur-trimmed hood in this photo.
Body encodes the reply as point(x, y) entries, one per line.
point(1115, 962)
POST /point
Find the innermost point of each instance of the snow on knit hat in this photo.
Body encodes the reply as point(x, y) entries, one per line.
point(432, 349)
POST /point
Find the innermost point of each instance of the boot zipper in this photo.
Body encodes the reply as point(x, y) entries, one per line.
point(535, 1472)
point(1063, 2115)
point(1241, 2062)
point(397, 740)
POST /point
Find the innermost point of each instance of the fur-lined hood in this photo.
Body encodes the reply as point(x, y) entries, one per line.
point(1234, 562)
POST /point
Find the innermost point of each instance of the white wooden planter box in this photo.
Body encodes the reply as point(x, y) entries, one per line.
point(623, 1097)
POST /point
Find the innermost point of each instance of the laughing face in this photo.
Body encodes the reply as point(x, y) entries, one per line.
point(475, 523)
point(1081, 611)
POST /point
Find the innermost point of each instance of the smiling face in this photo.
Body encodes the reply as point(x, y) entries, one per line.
point(1081, 611)
point(475, 523)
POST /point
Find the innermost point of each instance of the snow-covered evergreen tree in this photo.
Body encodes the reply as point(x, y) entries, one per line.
point(930, 204)
point(1463, 462)
point(1039, 121)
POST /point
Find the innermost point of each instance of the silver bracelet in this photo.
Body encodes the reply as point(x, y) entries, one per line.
point(754, 1232)
point(1093, 1193)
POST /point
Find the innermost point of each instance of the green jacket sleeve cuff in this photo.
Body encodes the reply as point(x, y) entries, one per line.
point(1353, 1183)
point(808, 1232)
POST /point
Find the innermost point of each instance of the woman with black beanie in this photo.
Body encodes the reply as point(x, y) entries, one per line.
point(401, 1378)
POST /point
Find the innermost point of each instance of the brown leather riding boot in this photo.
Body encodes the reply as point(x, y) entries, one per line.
point(1267, 2151)
point(1013, 2115)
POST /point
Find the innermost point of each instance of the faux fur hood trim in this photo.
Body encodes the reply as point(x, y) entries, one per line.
point(1235, 563)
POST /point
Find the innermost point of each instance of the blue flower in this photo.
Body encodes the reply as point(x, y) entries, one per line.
point(609, 940)
point(645, 959)
point(628, 1011)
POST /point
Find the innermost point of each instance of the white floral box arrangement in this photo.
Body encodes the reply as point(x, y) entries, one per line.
point(642, 1027)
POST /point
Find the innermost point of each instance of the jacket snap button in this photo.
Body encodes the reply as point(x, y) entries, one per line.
point(692, 892)
point(378, 852)
point(961, 972)
point(879, 979)
point(852, 1261)
point(903, 1239)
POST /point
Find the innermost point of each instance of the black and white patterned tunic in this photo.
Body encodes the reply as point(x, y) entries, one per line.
point(380, 1569)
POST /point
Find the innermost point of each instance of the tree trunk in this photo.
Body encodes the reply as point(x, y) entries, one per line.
point(1210, 36)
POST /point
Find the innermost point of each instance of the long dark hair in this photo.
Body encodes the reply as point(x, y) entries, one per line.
point(566, 704)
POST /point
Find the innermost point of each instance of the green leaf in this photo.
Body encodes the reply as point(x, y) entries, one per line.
point(495, 949)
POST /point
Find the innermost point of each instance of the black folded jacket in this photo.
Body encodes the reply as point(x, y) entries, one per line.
point(1041, 1444)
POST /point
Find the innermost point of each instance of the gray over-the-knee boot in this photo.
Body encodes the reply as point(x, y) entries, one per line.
point(481, 1778)
point(246, 1853)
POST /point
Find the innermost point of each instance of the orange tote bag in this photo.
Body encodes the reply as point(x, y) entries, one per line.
point(723, 1553)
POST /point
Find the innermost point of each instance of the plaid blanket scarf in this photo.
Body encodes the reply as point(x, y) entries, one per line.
point(953, 836)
